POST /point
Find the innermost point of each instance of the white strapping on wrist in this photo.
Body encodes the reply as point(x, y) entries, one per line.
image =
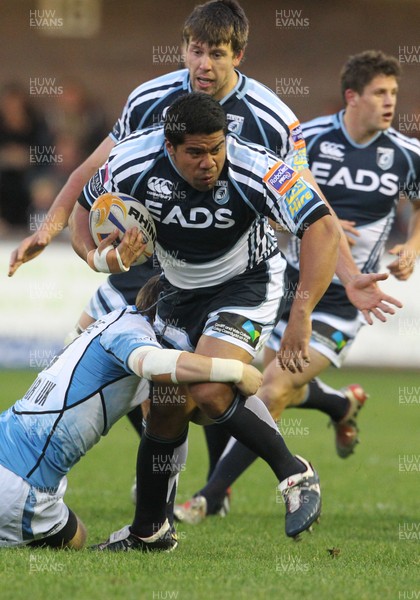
point(226, 369)
point(122, 266)
point(99, 260)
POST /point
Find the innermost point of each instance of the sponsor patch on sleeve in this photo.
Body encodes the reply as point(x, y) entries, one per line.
point(297, 135)
point(298, 197)
point(300, 160)
point(281, 177)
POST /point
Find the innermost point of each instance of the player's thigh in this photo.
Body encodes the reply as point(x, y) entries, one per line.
point(214, 398)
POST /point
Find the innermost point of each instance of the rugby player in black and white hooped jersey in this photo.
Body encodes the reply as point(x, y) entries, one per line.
point(215, 35)
point(362, 165)
point(223, 277)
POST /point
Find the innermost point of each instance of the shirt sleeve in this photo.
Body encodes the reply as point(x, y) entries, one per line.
point(127, 334)
point(290, 199)
point(296, 157)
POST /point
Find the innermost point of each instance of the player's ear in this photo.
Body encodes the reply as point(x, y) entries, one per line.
point(169, 148)
point(237, 58)
point(350, 97)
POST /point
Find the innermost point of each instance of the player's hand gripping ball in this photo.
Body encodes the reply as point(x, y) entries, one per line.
point(119, 211)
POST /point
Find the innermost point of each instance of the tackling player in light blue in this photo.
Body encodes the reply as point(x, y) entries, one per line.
point(75, 401)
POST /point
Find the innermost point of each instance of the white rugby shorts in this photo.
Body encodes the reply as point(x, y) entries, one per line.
point(27, 513)
point(331, 336)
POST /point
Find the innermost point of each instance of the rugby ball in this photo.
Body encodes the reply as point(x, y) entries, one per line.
point(119, 211)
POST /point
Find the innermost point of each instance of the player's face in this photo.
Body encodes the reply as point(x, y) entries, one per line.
point(212, 68)
point(376, 105)
point(200, 159)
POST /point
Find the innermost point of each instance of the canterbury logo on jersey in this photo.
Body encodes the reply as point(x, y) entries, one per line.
point(364, 180)
point(160, 187)
point(198, 217)
point(331, 150)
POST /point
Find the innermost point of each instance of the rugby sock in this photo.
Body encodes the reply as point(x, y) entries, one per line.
point(249, 421)
point(159, 462)
point(326, 399)
point(178, 465)
point(234, 461)
point(216, 437)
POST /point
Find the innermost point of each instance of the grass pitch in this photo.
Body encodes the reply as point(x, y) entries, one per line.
point(366, 547)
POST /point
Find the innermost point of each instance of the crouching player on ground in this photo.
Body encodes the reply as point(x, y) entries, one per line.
point(76, 400)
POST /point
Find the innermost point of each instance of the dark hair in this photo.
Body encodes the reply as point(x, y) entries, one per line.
point(147, 298)
point(193, 113)
point(218, 22)
point(360, 69)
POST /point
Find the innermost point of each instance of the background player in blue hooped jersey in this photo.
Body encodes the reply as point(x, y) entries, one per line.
point(362, 165)
point(76, 400)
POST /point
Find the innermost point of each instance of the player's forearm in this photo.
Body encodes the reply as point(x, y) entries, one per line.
point(174, 366)
point(318, 259)
point(413, 236)
point(59, 213)
point(81, 238)
point(192, 368)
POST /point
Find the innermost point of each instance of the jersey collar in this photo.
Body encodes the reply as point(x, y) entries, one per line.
point(239, 90)
point(351, 140)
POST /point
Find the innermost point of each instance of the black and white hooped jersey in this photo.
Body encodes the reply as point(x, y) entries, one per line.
point(206, 238)
point(362, 182)
point(252, 110)
point(75, 400)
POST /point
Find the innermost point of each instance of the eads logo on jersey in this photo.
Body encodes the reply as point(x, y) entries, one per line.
point(238, 327)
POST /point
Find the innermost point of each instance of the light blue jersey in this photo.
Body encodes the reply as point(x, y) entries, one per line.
point(75, 400)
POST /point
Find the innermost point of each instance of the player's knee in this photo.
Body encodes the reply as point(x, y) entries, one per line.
point(280, 394)
point(169, 414)
point(274, 397)
point(212, 398)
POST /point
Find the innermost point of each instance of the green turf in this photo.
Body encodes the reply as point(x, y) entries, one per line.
point(360, 551)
